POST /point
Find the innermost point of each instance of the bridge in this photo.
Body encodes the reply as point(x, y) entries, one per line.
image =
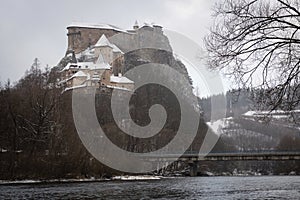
point(193, 158)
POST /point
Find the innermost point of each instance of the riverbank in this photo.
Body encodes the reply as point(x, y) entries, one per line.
point(114, 178)
point(133, 178)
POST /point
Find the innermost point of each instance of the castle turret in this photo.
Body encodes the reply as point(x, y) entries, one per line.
point(136, 25)
point(104, 47)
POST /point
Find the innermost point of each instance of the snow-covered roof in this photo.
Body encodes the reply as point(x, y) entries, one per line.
point(151, 24)
point(68, 66)
point(79, 74)
point(101, 66)
point(96, 25)
point(88, 65)
point(76, 75)
point(116, 49)
point(120, 79)
point(75, 87)
point(88, 53)
point(104, 42)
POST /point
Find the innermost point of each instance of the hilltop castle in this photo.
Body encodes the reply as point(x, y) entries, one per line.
point(96, 61)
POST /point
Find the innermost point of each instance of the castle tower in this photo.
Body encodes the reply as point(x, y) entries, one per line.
point(136, 25)
point(104, 47)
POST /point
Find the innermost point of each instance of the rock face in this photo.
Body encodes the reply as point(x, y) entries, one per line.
point(144, 45)
point(145, 56)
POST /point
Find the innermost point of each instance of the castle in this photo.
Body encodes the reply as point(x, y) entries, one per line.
point(94, 60)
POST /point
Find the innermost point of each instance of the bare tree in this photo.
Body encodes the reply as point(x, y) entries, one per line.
point(9, 107)
point(40, 99)
point(257, 43)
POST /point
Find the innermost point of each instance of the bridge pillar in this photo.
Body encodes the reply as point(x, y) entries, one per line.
point(193, 168)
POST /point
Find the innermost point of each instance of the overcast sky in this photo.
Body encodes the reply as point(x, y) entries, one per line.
point(37, 28)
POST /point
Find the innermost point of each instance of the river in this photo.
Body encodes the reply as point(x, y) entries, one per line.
point(258, 187)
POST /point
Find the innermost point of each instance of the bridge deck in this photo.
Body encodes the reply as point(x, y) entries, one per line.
point(228, 156)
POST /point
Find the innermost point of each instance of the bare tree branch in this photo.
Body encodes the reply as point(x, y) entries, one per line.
point(257, 43)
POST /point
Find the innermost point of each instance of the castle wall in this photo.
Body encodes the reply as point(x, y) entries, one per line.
point(118, 64)
point(80, 38)
point(145, 37)
point(105, 77)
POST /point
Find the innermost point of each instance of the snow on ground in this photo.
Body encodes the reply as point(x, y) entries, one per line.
point(134, 178)
point(250, 113)
point(122, 178)
point(3, 182)
point(218, 125)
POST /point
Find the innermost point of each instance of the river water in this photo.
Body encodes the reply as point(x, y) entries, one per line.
point(259, 187)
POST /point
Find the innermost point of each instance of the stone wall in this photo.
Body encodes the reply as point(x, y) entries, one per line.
point(80, 38)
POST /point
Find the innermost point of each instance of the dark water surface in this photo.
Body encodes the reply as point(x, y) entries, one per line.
point(260, 187)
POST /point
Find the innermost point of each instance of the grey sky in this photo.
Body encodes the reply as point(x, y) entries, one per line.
point(37, 28)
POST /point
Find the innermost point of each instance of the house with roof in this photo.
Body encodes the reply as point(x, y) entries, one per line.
point(121, 82)
point(76, 79)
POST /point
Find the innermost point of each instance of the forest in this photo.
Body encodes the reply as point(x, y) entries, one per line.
point(38, 139)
